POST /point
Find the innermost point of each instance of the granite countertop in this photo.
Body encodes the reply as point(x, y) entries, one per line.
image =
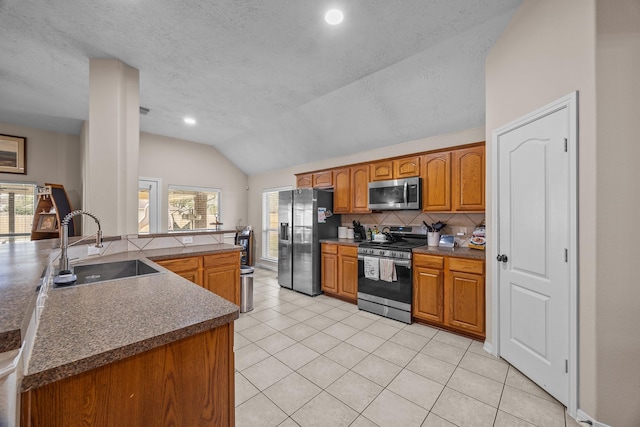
point(455, 252)
point(86, 326)
point(20, 270)
point(346, 242)
point(430, 250)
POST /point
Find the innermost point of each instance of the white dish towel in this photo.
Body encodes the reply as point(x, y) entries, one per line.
point(388, 270)
point(371, 268)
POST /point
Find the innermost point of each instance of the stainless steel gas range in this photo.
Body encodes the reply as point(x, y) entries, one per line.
point(385, 279)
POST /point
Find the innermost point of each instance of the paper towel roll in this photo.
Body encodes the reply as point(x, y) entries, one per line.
point(342, 232)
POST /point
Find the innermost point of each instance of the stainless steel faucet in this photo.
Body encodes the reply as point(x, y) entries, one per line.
point(64, 275)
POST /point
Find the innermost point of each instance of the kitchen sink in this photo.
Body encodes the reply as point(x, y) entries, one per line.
point(93, 273)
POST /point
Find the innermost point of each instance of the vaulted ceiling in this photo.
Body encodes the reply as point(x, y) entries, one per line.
point(270, 84)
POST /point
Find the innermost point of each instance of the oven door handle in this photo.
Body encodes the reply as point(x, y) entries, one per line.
point(399, 262)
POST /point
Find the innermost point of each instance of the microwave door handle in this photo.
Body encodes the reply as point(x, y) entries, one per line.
point(406, 189)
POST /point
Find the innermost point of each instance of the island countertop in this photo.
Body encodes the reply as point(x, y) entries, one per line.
point(21, 267)
point(86, 326)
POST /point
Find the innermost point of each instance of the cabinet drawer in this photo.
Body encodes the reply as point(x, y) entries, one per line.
point(328, 248)
point(429, 261)
point(180, 264)
point(348, 250)
point(218, 260)
point(466, 265)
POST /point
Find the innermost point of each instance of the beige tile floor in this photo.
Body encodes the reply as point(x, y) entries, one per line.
point(303, 361)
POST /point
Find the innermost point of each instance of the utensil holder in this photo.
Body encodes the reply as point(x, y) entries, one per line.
point(433, 238)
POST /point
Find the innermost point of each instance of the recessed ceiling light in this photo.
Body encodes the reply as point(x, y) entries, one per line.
point(334, 17)
point(190, 120)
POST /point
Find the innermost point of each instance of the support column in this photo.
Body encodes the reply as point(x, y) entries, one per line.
point(110, 155)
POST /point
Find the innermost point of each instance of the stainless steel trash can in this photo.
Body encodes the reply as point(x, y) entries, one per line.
point(246, 288)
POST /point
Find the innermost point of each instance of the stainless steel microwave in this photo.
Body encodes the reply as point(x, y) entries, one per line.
point(395, 194)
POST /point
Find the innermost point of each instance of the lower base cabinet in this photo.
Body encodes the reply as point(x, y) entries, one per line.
point(340, 271)
point(450, 292)
point(186, 383)
point(190, 268)
point(219, 273)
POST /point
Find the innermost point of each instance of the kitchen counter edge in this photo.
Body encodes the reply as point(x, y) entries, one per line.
point(428, 250)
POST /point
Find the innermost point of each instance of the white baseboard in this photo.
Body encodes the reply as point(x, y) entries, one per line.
point(583, 416)
point(267, 266)
point(488, 347)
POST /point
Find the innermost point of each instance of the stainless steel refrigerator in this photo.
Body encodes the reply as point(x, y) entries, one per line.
point(305, 217)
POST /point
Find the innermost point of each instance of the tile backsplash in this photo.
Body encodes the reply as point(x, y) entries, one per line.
point(414, 218)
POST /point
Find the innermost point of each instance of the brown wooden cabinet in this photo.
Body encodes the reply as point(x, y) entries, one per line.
point(189, 382)
point(464, 296)
point(449, 292)
point(348, 272)
point(468, 192)
point(394, 169)
point(360, 189)
point(329, 274)
point(322, 179)
point(381, 170)
point(342, 190)
point(406, 167)
point(340, 271)
point(428, 288)
point(218, 272)
point(436, 182)
point(190, 268)
point(221, 275)
point(304, 180)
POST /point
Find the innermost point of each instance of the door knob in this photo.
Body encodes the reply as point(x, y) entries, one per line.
point(502, 258)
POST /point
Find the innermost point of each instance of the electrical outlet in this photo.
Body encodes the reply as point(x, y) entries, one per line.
point(187, 239)
point(462, 231)
point(92, 250)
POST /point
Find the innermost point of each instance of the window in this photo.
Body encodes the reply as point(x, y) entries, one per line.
point(192, 208)
point(16, 211)
point(270, 224)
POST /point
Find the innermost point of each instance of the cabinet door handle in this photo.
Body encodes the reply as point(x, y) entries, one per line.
point(502, 258)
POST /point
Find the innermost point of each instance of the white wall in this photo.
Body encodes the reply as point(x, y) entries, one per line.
point(617, 309)
point(179, 162)
point(51, 157)
point(547, 51)
point(285, 177)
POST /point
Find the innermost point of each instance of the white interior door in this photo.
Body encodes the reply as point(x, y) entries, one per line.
point(534, 239)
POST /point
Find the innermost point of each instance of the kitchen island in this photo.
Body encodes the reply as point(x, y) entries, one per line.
point(147, 350)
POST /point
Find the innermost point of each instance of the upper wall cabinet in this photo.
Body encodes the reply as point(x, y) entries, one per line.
point(406, 167)
point(322, 179)
point(394, 169)
point(342, 190)
point(360, 189)
point(436, 182)
point(468, 179)
point(304, 181)
point(381, 170)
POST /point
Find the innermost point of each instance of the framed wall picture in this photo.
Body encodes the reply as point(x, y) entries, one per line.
point(13, 154)
point(47, 222)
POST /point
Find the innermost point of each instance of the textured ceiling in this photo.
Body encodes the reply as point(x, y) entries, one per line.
point(269, 82)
